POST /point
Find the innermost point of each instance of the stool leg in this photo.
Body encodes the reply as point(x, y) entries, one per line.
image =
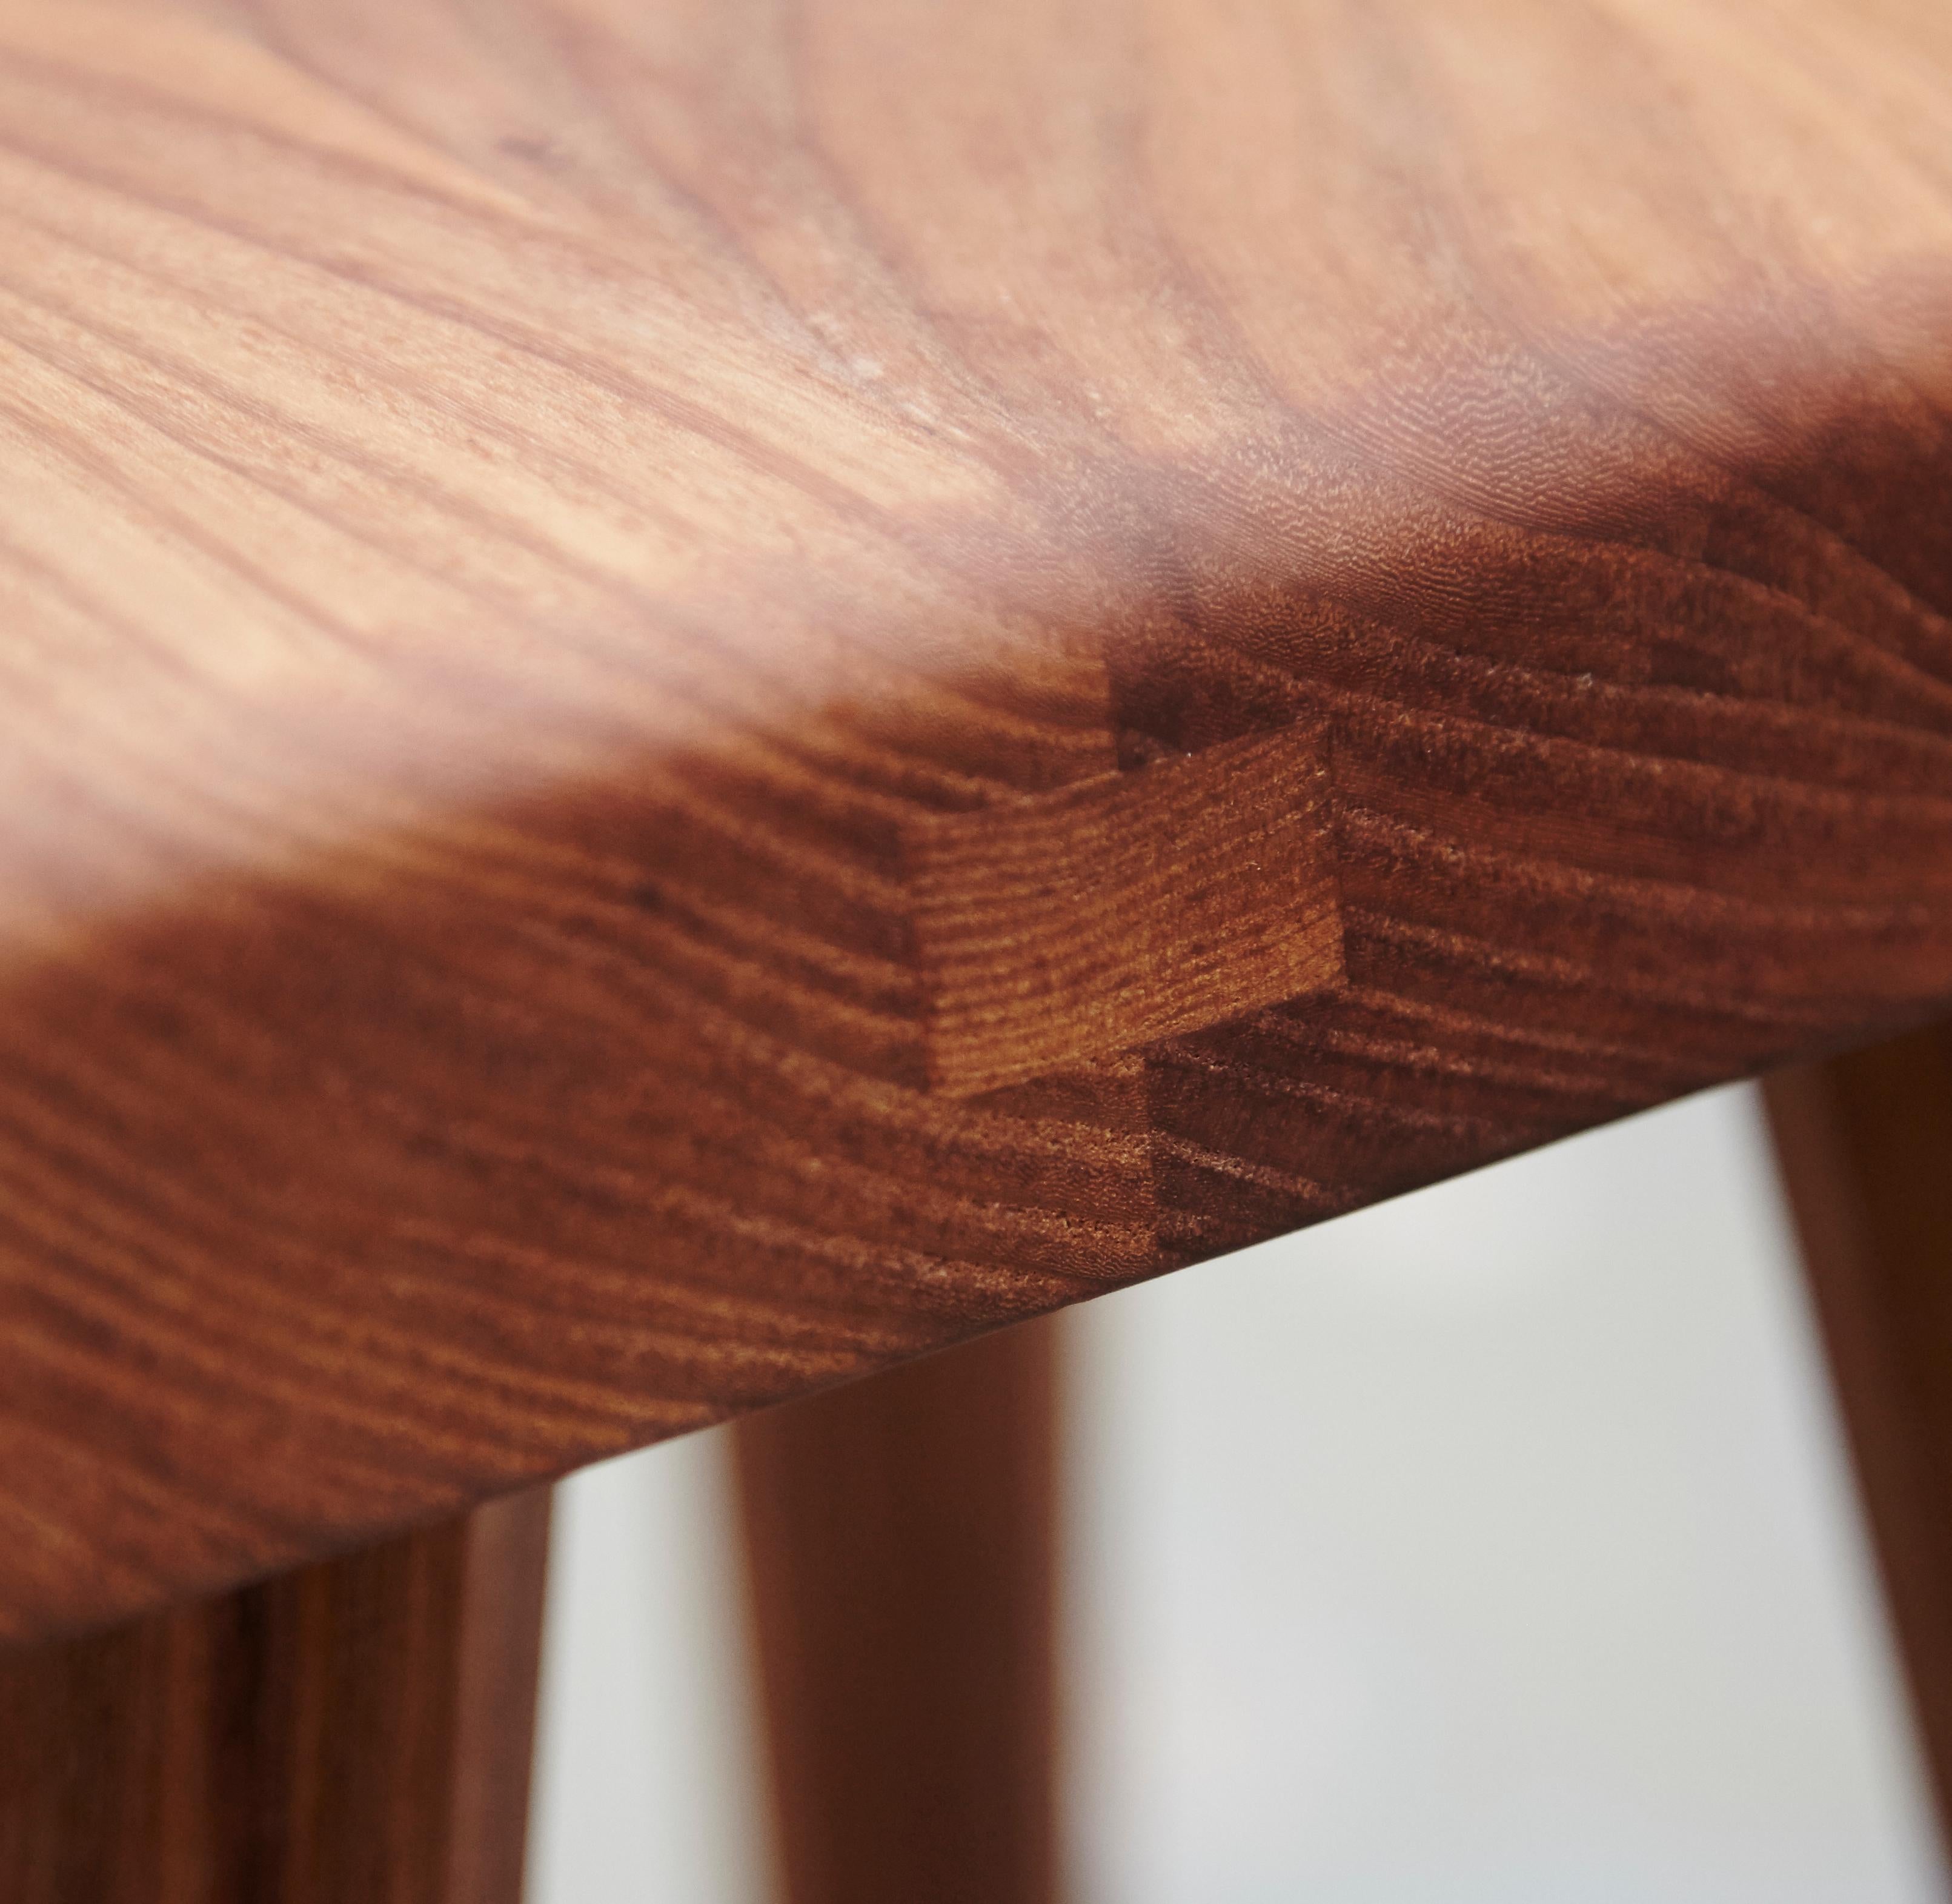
point(1865, 1144)
point(899, 1540)
point(356, 1732)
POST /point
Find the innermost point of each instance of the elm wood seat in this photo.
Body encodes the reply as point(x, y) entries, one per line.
point(699, 697)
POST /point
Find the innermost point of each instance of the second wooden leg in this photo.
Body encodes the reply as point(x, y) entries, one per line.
point(899, 1534)
point(1865, 1146)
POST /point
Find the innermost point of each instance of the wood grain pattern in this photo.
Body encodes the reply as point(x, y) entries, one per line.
point(1864, 1142)
point(1121, 912)
point(356, 1733)
point(900, 1545)
point(520, 523)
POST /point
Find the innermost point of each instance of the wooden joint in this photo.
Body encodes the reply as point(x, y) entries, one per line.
point(1134, 907)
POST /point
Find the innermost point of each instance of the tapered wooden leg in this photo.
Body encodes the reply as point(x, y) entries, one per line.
point(353, 1733)
point(1864, 1143)
point(899, 1537)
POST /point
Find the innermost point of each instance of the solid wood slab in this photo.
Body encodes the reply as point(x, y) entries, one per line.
point(694, 696)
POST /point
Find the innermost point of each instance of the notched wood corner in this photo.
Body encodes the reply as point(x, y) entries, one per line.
point(1125, 909)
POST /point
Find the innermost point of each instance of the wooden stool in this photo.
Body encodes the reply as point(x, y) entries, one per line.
point(698, 699)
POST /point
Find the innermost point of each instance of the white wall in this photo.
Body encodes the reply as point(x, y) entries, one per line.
point(1493, 1545)
point(648, 1777)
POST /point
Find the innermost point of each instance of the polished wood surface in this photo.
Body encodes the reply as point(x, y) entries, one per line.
point(699, 696)
point(355, 1732)
point(1865, 1142)
point(899, 1540)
